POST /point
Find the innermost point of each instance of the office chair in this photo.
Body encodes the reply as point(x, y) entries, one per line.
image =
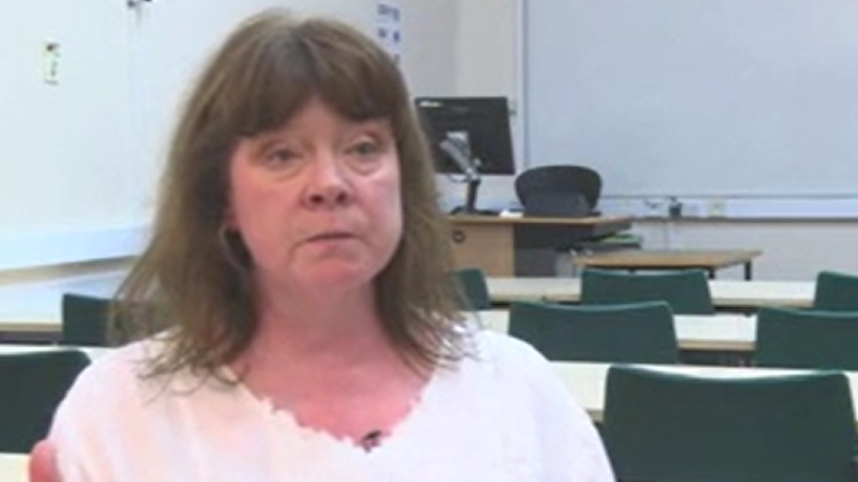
point(559, 190)
point(836, 291)
point(472, 287)
point(33, 385)
point(84, 320)
point(568, 191)
point(805, 338)
point(672, 427)
point(630, 333)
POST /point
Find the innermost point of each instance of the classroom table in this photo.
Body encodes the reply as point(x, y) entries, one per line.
point(726, 294)
point(718, 333)
point(37, 308)
point(633, 260)
point(13, 467)
point(586, 380)
point(92, 352)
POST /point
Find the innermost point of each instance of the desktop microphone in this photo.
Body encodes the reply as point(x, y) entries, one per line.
point(457, 153)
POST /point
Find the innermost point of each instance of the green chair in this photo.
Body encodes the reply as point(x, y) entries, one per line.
point(633, 333)
point(836, 291)
point(84, 320)
point(789, 337)
point(686, 291)
point(33, 384)
point(471, 283)
point(669, 427)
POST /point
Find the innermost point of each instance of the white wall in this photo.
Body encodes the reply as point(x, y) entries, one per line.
point(791, 249)
point(82, 156)
point(429, 43)
point(38, 129)
point(53, 151)
point(487, 65)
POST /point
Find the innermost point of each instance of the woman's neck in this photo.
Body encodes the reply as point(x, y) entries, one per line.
point(329, 362)
point(313, 327)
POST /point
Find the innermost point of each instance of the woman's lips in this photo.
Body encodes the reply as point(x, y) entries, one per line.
point(330, 236)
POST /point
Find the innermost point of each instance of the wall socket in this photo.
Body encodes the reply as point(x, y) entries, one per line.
point(717, 208)
point(51, 62)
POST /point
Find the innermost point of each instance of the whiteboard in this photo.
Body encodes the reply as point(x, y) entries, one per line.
point(696, 97)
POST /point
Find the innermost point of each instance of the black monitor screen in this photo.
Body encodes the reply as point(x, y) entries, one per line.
point(479, 123)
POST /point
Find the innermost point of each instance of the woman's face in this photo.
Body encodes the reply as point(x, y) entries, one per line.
point(317, 201)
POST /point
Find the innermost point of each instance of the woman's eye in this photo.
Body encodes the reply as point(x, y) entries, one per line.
point(280, 156)
point(366, 148)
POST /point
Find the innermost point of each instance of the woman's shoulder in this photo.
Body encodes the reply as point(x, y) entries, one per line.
point(563, 429)
point(504, 352)
point(524, 374)
point(513, 365)
point(113, 372)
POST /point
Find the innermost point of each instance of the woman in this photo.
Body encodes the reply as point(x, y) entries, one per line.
point(297, 280)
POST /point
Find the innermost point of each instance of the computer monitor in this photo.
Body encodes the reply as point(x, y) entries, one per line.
point(469, 136)
point(480, 125)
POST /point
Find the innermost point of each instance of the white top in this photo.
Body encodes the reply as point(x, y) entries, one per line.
point(504, 416)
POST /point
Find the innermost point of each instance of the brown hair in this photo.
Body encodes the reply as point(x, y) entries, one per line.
point(194, 285)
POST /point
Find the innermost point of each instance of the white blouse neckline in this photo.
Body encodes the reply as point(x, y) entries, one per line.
point(399, 433)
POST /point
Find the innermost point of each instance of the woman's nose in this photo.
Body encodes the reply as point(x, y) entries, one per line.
point(328, 184)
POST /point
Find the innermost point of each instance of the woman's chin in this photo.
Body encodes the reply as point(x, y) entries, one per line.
point(339, 276)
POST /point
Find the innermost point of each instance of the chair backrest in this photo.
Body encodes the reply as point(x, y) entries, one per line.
point(836, 291)
point(473, 290)
point(33, 384)
point(84, 320)
point(559, 190)
point(686, 291)
point(631, 333)
point(803, 338)
point(676, 428)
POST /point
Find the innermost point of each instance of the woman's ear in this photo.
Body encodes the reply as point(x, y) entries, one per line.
point(229, 220)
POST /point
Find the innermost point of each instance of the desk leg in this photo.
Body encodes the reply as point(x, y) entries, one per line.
point(711, 273)
point(748, 271)
point(535, 262)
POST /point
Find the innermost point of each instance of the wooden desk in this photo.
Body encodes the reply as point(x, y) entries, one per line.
point(656, 260)
point(523, 246)
point(726, 294)
point(13, 467)
point(586, 380)
point(734, 333)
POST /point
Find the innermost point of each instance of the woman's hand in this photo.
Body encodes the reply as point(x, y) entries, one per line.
point(43, 463)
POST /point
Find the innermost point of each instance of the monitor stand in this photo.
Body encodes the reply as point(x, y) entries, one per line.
point(470, 207)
